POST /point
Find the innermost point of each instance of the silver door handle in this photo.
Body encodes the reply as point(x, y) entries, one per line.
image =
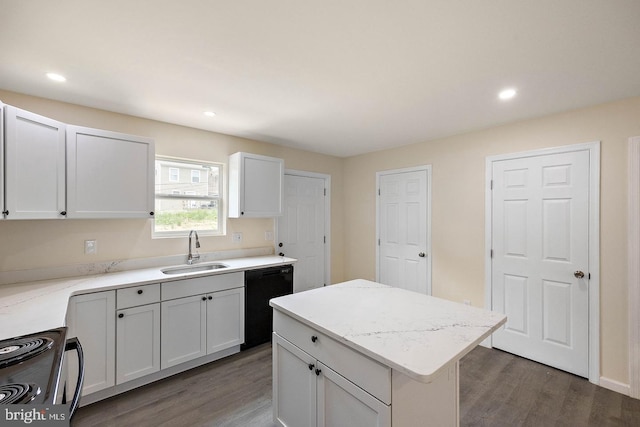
point(422, 255)
point(579, 274)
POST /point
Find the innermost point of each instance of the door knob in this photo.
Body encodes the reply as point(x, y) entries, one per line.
point(579, 274)
point(422, 255)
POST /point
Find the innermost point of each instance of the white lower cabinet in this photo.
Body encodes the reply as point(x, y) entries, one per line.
point(137, 342)
point(91, 318)
point(184, 330)
point(307, 392)
point(225, 319)
point(203, 324)
point(130, 335)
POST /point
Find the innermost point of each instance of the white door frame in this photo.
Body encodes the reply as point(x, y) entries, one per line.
point(327, 218)
point(634, 267)
point(427, 169)
point(594, 239)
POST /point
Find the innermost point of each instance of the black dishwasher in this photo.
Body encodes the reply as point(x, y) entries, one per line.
point(260, 286)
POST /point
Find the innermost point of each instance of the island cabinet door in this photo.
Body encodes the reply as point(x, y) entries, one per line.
point(342, 403)
point(294, 385)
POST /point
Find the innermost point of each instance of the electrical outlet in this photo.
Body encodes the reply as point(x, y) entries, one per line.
point(90, 247)
point(268, 236)
point(236, 237)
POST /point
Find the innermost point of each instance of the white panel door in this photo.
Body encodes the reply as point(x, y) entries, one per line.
point(109, 174)
point(91, 318)
point(183, 330)
point(137, 342)
point(225, 319)
point(294, 385)
point(403, 228)
point(540, 243)
point(301, 230)
point(342, 403)
point(35, 166)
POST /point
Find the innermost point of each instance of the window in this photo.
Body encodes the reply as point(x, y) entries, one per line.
point(193, 203)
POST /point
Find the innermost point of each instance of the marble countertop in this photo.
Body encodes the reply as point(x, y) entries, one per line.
point(27, 308)
point(416, 334)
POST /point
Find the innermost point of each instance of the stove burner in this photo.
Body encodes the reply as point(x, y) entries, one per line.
point(18, 393)
point(22, 349)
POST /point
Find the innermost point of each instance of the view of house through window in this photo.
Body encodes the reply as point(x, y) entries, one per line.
point(188, 197)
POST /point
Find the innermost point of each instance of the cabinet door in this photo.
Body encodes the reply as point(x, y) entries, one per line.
point(2, 168)
point(34, 166)
point(138, 342)
point(255, 185)
point(109, 175)
point(225, 319)
point(183, 330)
point(294, 385)
point(91, 318)
point(341, 403)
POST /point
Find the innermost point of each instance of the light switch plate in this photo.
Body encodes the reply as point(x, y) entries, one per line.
point(268, 236)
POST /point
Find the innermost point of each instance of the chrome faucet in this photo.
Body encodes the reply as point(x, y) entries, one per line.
point(190, 256)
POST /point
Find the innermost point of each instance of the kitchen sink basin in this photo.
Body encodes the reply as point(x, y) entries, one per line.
point(194, 268)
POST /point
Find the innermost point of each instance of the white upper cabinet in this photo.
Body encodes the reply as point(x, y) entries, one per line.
point(255, 186)
point(109, 175)
point(34, 159)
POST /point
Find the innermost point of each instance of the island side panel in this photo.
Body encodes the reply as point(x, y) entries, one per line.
point(435, 403)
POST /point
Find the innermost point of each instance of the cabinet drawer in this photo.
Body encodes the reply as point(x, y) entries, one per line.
point(137, 295)
point(201, 285)
point(370, 375)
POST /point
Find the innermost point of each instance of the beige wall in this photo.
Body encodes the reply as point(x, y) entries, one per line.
point(457, 203)
point(47, 243)
point(458, 190)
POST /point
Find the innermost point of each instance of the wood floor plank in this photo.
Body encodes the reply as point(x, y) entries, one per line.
point(496, 389)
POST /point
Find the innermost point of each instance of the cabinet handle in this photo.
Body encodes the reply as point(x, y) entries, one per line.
point(281, 254)
point(151, 213)
point(204, 298)
point(241, 213)
point(209, 297)
point(318, 371)
point(121, 315)
point(314, 338)
point(5, 212)
point(139, 291)
point(311, 366)
point(64, 213)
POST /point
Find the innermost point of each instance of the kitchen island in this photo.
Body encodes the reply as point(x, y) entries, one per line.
point(364, 354)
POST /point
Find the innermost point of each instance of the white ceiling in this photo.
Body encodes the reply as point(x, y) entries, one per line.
point(340, 77)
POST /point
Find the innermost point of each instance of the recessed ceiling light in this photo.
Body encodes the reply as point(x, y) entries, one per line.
point(56, 77)
point(507, 93)
point(209, 113)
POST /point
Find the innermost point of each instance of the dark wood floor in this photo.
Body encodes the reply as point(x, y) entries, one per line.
point(496, 389)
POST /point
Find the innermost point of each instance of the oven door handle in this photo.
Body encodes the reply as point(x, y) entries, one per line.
point(74, 344)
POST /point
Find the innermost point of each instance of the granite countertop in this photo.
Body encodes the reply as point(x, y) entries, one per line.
point(415, 334)
point(28, 308)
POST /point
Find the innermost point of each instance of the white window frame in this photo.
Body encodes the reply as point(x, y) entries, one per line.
point(186, 196)
point(171, 176)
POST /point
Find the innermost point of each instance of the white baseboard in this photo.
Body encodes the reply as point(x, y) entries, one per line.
point(614, 385)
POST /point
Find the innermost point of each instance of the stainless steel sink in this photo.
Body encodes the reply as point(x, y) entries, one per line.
point(193, 268)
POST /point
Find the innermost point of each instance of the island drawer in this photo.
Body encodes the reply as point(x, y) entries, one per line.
point(201, 285)
point(137, 295)
point(370, 375)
